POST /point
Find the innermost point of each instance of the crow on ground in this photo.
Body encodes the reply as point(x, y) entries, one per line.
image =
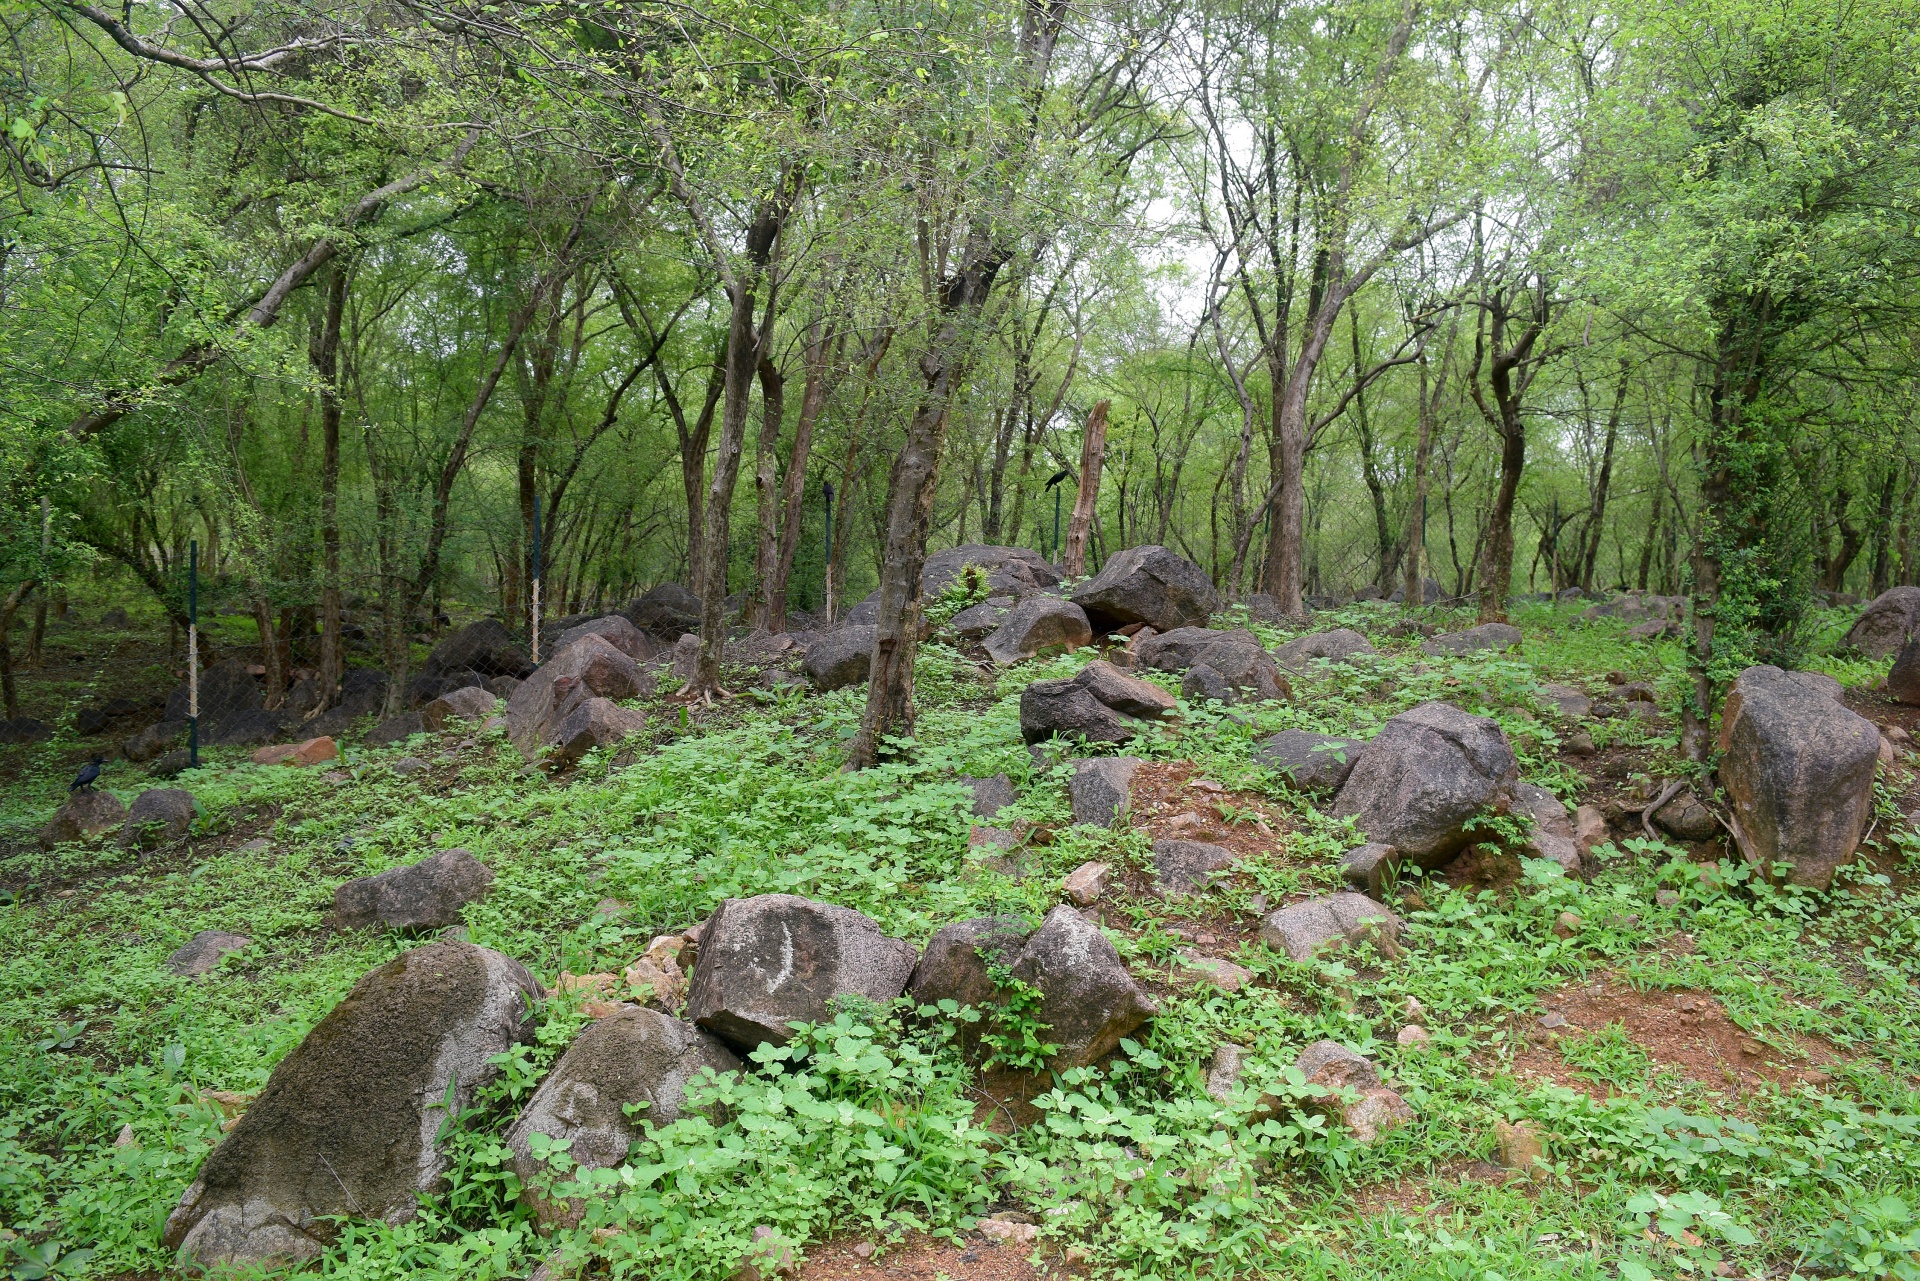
point(88, 772)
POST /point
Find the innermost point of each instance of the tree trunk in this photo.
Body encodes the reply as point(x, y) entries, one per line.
point(9, 696)
point(822, 360)
point(276, 677)
point(1597, 514)
point(766, 485)
point(1883, 534)
point(1093, 452)
point(37, 638)
point(325, 358)
point(1416, 583)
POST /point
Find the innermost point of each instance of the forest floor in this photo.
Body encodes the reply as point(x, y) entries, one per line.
point(1731, 1085)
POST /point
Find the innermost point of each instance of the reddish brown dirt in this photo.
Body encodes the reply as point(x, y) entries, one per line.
point(1418, 1193)
point(924, 1259)
point(1688, 1032)
point(1171, 803)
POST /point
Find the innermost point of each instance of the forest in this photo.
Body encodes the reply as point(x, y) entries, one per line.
point(1307, 613)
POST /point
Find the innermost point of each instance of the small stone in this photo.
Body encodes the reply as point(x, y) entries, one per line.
point(1552, 1020)
point(1086, 883)
point(1415, 1011)
point(407, 766)
point(1518, 1148)
point(1567, 924)
point(862, 1250)
point(1004, 1232)
point(1224, 975)
point(125, 1138)
point(1666, 898)
point(1413, 1037)
point(1224, 1073)
point(771, 1255)
point(202, 953)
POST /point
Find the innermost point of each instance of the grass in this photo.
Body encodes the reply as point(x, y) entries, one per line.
point(865, 1125)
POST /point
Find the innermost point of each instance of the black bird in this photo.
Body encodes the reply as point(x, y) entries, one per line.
point(88, 772)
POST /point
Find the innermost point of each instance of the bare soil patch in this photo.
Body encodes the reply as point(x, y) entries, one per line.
point(926, 1259)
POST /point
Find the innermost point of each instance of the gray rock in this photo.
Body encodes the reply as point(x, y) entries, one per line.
point(1333, 1065)
point(954, 967)
point(1552, 836)
point(471, 703)
point(1888, 622)
point(597, 722)
point(1336, 646)
point(1099, 790)
point(153, 741)
point(1010, 571)
point(1148, 585)
point(1100, 705)
point(1821, 684)
point(1314, 762)
point(172, 764)
point(1232, 672)
point(991, 795)
point(25, 729)
point(1568, 702)
point(1687, 818)
point(618, 631)
point(1798, 771)
point(407, 766)
point(1179, 649)
point(1332, 920)
point(349, 1123)
point(246, 729)
point(1487, 636)
point(1088, 1001)
point(1655, 629)
point(1186, 867)
point(395, 729)
point(1224, 1072)
point(1427, 774)
point(1371, 868)
point(86, 814)
point(977, 622)
point(427, 895)
point(1359, 1100)
point(1903, 682)
point(668, 611)
point(502, 686)
point(486, 647)
point(587, 668)
point(633, 1056)
point(776, 959)
point(158, 815)
point(840, 658)
point(201, 953)
point(1039, 625)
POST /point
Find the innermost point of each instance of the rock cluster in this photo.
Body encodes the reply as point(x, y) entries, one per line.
point(1100, 705)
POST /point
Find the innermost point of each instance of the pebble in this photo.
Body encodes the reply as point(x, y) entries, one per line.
point(1666, 898)
point(1519, 1149)
point(1415, 1011)
point(863, 1249)
point(408, 765)
point(1413, 1037)
point(1553, 1019)
point(1567, 924)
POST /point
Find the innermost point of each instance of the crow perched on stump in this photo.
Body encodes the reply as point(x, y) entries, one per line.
point(88, 772)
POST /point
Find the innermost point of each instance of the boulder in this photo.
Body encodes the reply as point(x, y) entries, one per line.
point(469, 703)
point(1039, 625)
point(990, 795)
point(312, 752)
point(1552, 836)
point(172, 764)
point(226, 690)
point(597, 722)
point(1687, 818)
point(1798, 771)
point(776, 959)
point(201, 954)
point(1101, 705)
point(1821, 684)
point(427, 895)
point(841, 657)
point(1487, 636)
point(86, 814)
point(158, 815)
point(668, 611)
point(633, 1056)
point(25, 729)
point(485, 647)
point(587, 668)
point(1359, 1100)
point(153, 741)
point(1313, 762)
point(1333, 920)
point(1148, 585)
point(1181, 648)
point(615, 629)
point(1186, 867)
point(307, 696)
point(1099, 790)
point(1224, 1072)
point(349, 1123)
point(1425, 776)
point(1887, 623)
point(1233, 672)
point(395, 729)
point(1903, 682)
point(1371, 868)
point(245, 729)
point(955, 967)
point(1085, 884)
point(1655, 629)
point(1568, 703)
point(977, 622)
point(502, 686)
point(1336, 646)
point(1010, 571)
point(1590, 832)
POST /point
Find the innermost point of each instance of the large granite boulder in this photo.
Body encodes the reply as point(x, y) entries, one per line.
point(1181, 648)
point(1100, 790)
point(615, 629)
point(1428, 773)
point(1903, 682)
point(587, 668)
point(350, 1122)
point(427, 895)
point(1088, 1001)
point(1235, 672)
point(977, 622)
point(1148, 585)
point(1312, 762)
point(668, 611)
point(1487, 636)
point(776, 959)
point(1010, 571)
point(633, 1056)
point(1336, 646)
point(157, 815)
point(1888, 622)
point(86, 814)
point(1330, 921)
point(1798, 772)
point(471, 703)
point(1101, 705)
point(1039, 625)
point(597, 722)
point(486, 647)
point(840, 658)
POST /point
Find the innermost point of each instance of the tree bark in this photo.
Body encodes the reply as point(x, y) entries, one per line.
point(822, 361)
point(9, 696)
point(1597, 514)
point(1508, 374)
point(325, 358)
point(766, 485)
point(1093, 452)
